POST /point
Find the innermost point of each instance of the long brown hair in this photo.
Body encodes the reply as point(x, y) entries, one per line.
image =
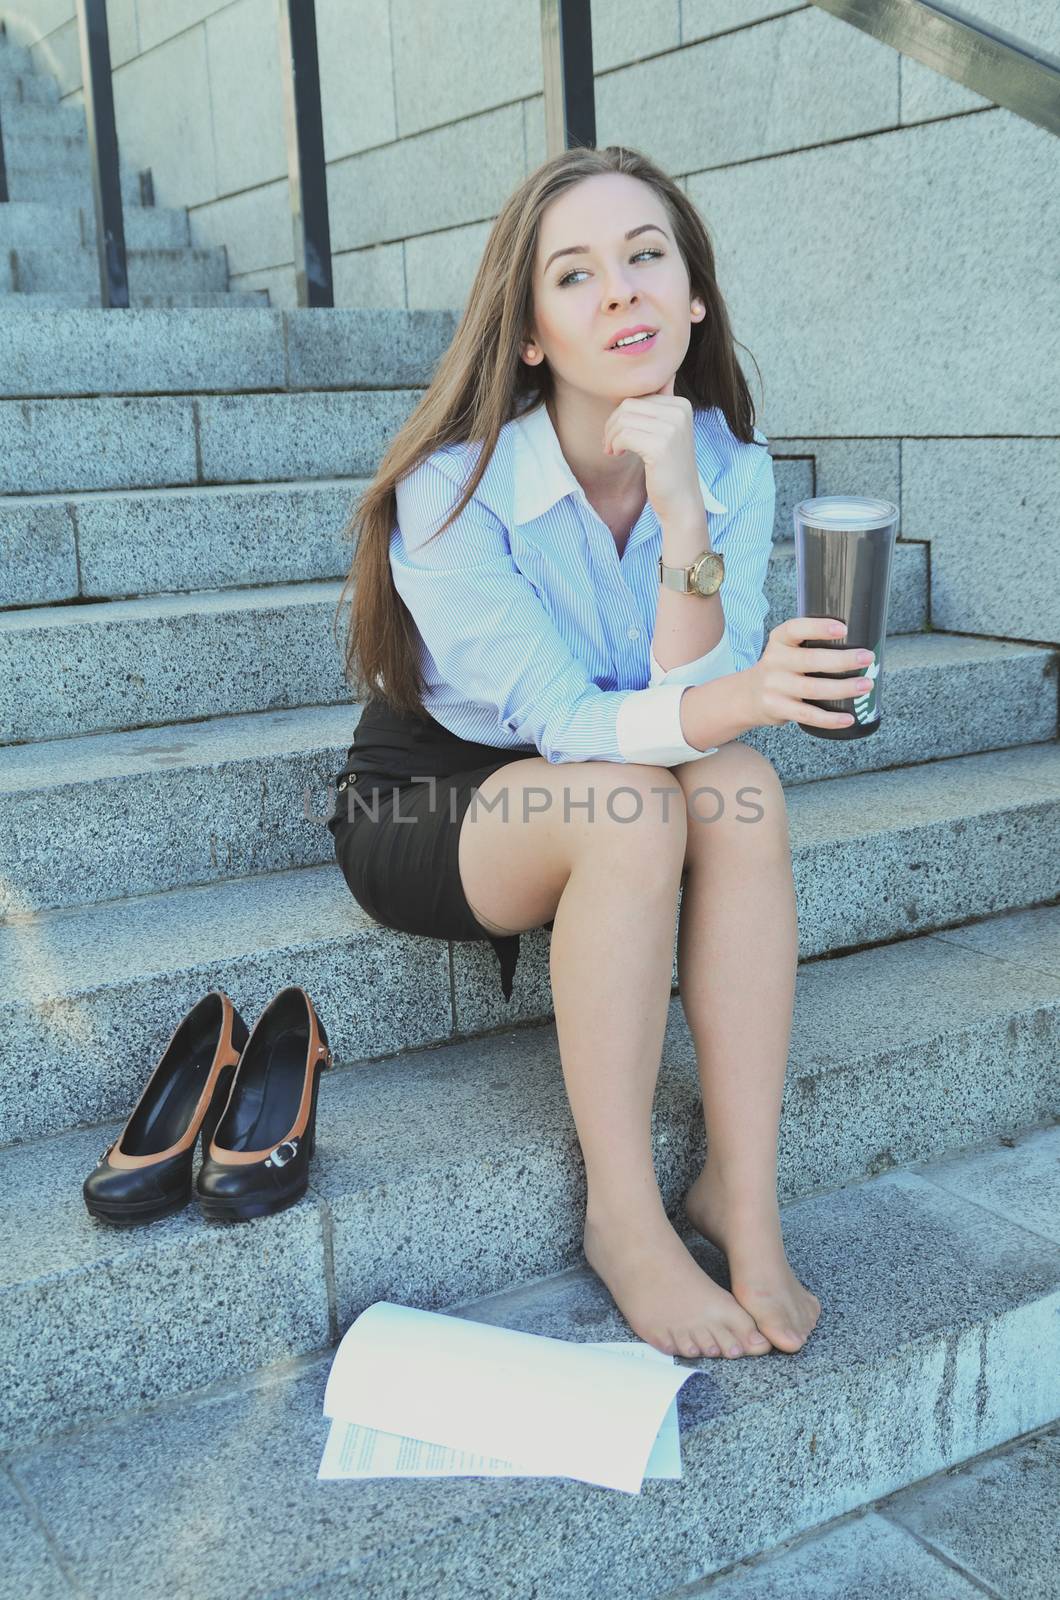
point(481, 383)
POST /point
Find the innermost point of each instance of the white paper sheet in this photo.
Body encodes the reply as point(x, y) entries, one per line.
point(352, 1451)
point(543, 1406)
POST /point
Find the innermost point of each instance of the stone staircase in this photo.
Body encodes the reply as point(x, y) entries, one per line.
point(173, 491)
point(48, 226)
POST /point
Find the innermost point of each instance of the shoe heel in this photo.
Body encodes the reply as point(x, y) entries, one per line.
point(311, 1127)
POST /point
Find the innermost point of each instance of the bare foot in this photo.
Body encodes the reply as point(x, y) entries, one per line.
point(665, 1297)
point(762, 1280)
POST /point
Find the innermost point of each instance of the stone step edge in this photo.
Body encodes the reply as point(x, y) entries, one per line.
point(857, 967)
point(169, 491)
point(97, 966)
point(1028, 794)
point(1020, 1333)
point(88, 255)
point(292, 332)
point(916, 1179)
point(140, 607)
point(111, 756)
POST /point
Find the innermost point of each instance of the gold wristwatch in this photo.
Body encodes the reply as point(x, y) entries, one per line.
point(702, 577)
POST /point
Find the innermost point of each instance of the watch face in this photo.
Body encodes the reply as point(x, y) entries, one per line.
point(709, 571)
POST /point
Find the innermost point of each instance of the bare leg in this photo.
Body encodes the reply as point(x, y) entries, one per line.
point(610, 965)
point(611, 960)
point(737, 958)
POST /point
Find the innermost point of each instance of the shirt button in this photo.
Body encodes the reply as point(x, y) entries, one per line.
point(633, 633)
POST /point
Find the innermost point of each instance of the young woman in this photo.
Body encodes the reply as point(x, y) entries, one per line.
point(519, 650)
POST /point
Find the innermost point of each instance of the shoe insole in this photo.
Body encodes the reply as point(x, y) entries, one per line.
point(268, 1093)
point(166, 1109)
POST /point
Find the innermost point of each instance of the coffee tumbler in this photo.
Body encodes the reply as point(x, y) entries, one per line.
point(843, 546)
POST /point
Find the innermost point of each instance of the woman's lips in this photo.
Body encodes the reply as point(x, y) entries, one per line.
point(635, 349)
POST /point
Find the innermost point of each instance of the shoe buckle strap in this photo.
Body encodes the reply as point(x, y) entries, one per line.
point(284, 1152)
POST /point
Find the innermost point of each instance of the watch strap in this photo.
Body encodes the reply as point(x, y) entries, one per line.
point(679, 579)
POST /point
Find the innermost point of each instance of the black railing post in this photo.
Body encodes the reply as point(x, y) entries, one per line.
point(567, 58)
point(306, 169)
point(103, 152)
point(3, 165)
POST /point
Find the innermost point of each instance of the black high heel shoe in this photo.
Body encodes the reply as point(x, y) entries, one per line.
point(258, 1159)
point(146, 1172)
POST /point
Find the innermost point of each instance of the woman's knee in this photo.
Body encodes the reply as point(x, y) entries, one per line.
point(638, 806)
point(734, 767)
point(579, 805)
point(517, 853)
point(736, 786)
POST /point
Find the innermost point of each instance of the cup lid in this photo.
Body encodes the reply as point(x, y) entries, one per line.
point(853, 512)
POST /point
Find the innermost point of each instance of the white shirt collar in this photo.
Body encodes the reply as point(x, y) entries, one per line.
point(542, 474)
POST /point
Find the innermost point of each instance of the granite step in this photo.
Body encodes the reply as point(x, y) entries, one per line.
point(26, 120)
point(89, 352)
point(14, 58)
point(166, 440)
point(91, 991)
point(44, 180)
point(980, 1528)
point(146, 228)
point(41, 223)
point(230, 299)
point(65, 154)
point(47, 224)
point(43, 270)
point(233, 795)
point(42, 144)
point(38, 222)
point(939, 1285)
point(26, 88)
point(170, 657)
point(135, 542)
point(138, 542)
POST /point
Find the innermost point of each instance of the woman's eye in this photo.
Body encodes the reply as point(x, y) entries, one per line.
point(567, 275)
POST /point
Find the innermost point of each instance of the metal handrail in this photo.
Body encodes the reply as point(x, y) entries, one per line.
point(307, 175)
point(977, 54)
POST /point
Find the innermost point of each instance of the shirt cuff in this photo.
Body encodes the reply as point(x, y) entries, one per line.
point(715, 664)
point(648, 727)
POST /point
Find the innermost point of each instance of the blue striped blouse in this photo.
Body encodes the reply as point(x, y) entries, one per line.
point(534, 630)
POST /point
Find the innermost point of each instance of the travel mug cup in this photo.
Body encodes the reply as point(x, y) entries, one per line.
point(843, 547)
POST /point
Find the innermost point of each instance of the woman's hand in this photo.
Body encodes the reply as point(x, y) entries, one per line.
point(658, 428)
point(780, 681)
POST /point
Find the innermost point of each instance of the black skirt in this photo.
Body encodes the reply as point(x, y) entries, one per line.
point(396, 838)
